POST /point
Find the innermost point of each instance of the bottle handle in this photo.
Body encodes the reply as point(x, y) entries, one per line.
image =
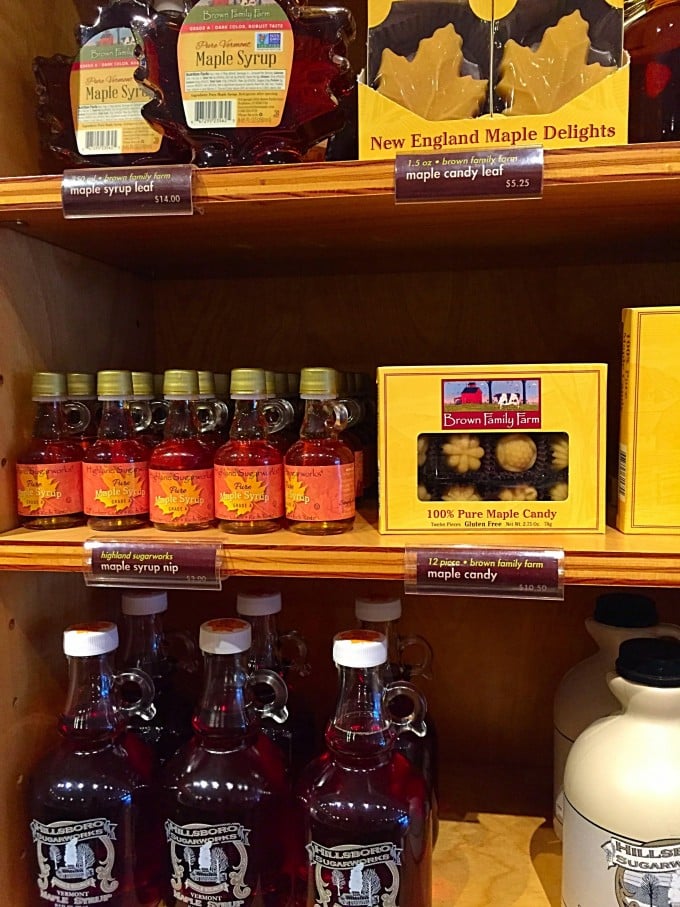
point(278, 413)
point(354, 410)
point(141, 414)
point(159, 413)
point(270, 695)
point(337, 418)
point(189, 657)
point(420, 668)
point(143, 706)
point(81, 414)
point(293, 653)
point(394, 695)
point(207, 414)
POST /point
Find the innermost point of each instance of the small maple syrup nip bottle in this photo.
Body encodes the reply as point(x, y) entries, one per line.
point(226, 799)
point(143, 392)
point(248, 469)
point(319, 468)
point(116, 467)
point(181, 482)
point(82, 388)
point(93, 819)
point(216, 414)
point(363, 806)
point(49, 471)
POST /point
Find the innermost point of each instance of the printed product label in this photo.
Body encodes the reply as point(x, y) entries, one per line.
point(106, 101)
point(75, 861)
point(234, 64)
point(209, 863)
point(249, 493)
point(603, 869)
point(55, 489)
point(355, 875)
point(181, 497)
point(317, 493)
point(115, 489)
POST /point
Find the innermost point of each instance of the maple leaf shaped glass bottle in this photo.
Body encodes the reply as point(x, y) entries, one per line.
point(49, 470)
point(181, 483)
point(246, 83)
point(319, 468)
point(363, 806)
point(116, 466)
point(94, 824)
point(226, 799)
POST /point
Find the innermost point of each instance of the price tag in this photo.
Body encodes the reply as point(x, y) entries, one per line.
point(128, 191)
point(467, 175)
point(175, 565)
point(495, 572)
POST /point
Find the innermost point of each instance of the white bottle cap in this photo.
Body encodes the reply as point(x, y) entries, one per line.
point(377, 608)
point(257, 604)
point(359, 649)
point(225, 636)
point(141, 603)
point(95, 638)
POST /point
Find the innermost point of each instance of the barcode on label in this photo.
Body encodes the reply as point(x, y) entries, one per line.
point(219, 113)
point(100, 141)
point(623, 463)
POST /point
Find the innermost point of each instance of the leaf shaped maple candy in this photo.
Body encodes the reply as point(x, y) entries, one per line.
point(543, 80)
point(430, 84)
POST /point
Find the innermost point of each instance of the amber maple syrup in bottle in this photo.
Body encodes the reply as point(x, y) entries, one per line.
point(226, 799)
point(82, 388)
point(363, 806)
point(319, 468)
point(116, 466)
point(248, 469)
point(96, 837)
point(181, 491)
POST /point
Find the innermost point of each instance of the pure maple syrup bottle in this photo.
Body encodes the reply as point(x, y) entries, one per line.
point(286, 654)
point(49, 470)
point(116, 467)
point(181, 475)
point(216, 414)
point(653, 42)
point(247, 83)
point(279, 430)
point(226, 799)
point(93, 820)
point(363, 806)
point(248, 469)
point(319, 468)
point(81, 387)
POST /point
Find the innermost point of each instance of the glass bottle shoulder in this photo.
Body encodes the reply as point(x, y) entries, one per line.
point(41, 450)
point(123, 450)
point(182, 454)
point(250, 453)
point(319, 452)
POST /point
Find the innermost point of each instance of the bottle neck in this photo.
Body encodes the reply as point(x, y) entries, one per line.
point(391, 670)
point(264, 648)
point(249, 422)
point(182, 421)
point(90, 715)
point(360, 730)
point(639, 701)
point(116, 421)
point(49, 422)
point(318, 420)
point(609, 638)
point(143, 644)
point(224, 715)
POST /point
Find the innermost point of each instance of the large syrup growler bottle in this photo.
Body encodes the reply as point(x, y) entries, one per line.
point(285, 653)
point(364, 807)
point(95, 831)
point(407, 657)
point(49, 470)
point(226, 801)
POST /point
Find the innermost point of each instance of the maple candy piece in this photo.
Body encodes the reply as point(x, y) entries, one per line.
point(516, 452)
point(463, 452)
point(430, 85)
point(543, 80)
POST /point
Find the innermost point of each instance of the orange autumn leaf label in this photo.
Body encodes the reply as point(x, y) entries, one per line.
point(181, 497)
point(248, 493)
point(53, 489)
point(316, 493)
point(115, 489)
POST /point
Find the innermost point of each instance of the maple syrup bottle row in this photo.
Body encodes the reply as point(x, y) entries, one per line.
point(223, 825)
point(122, 480)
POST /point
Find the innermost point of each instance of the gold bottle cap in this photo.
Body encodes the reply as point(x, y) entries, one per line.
point(206, 385)
point(114, 384)
point(142, 384)
point(270, 381)
point(180, 383)
point(81, 384)
point(221, 385)
point(293, 384)
point(48, 384)
point(318, 383)
point(249, 383)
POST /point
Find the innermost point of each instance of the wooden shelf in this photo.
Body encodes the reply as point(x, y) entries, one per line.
point(611, 559)
point(309, 218)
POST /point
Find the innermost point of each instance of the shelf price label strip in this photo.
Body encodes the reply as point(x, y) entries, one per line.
point(484, 173)
point(127, 191)
point(150, 565)
point(476, 571)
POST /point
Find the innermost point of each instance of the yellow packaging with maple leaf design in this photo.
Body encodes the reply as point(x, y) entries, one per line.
point(445, 75)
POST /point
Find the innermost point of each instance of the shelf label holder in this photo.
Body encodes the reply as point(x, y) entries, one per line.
point(480, 571)
point(152, 565)
point(128, 191)
point(485, 173)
